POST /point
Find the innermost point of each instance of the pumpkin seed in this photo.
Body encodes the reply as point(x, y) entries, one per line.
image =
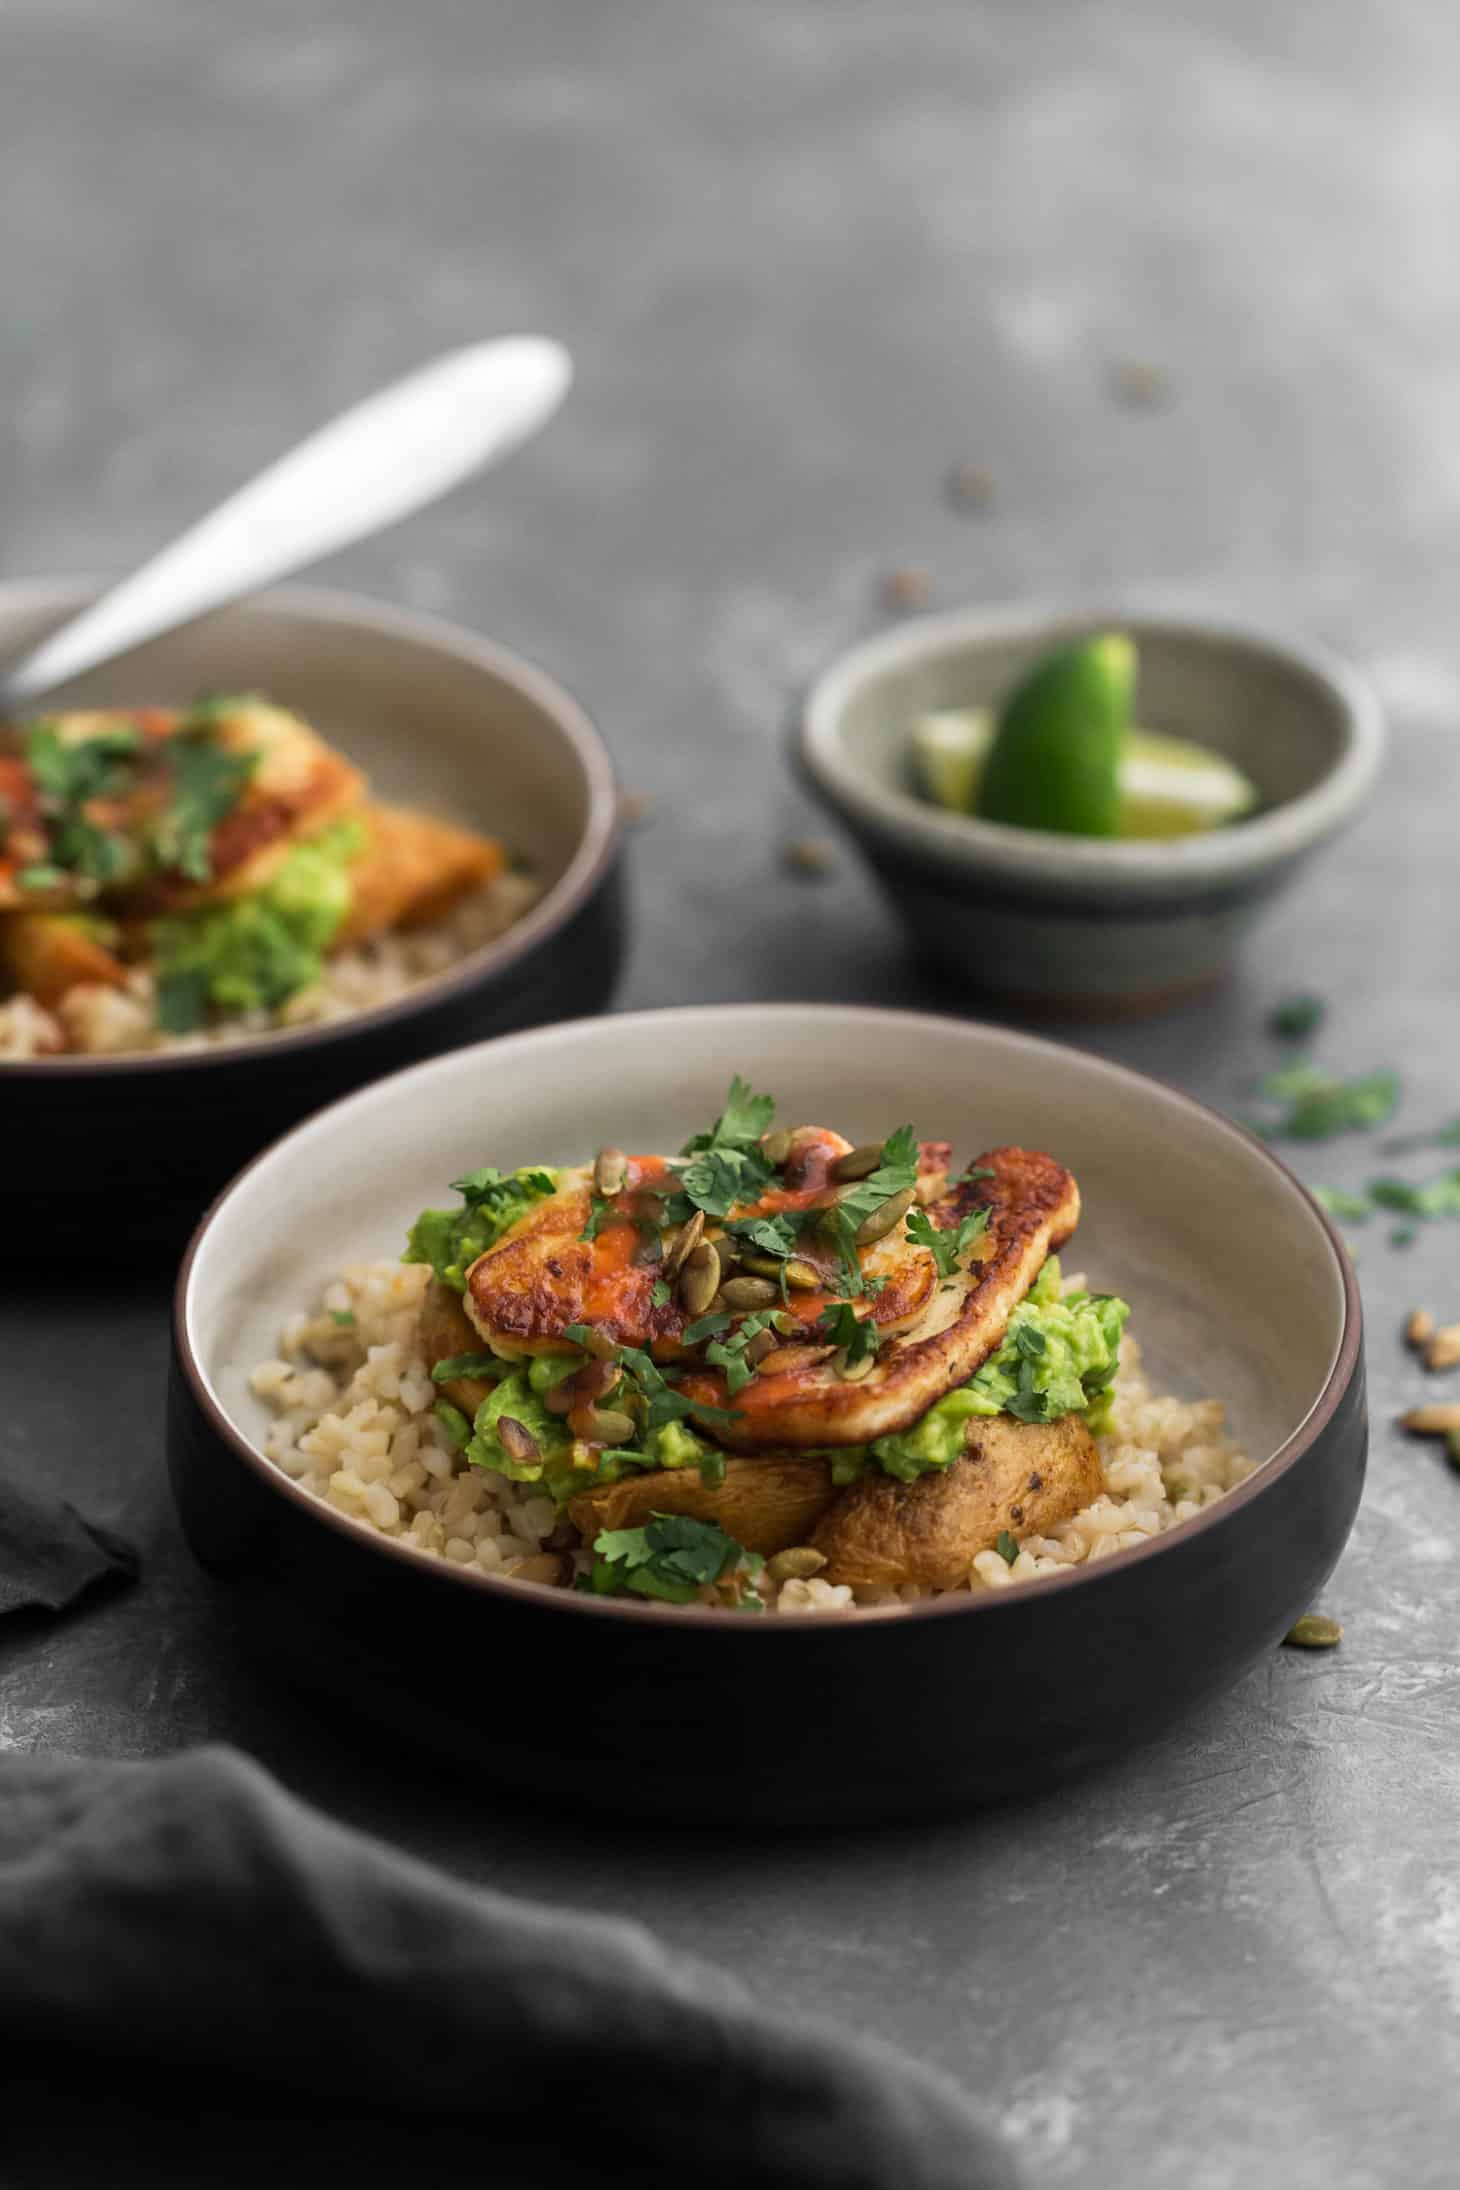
point(750, 1292)
point(1419, 1327)
point(601, 1347)
point(776, 1147)
point(517, 1440)
point(610, 1169)
point(785, 1360)
point(796, 1564)
point(802, 1277)
point(606, 1426)
point(1315, 1631)
point(886, 1218)
point(1433, 1421)
point(561, 1398)
point(542, 1566)
point(686, 1240)
point(1443, 1350)
point(857, 1163)
point(596, 1379)
point(756, 1349)
point(699, 1280)
point(852, 1372)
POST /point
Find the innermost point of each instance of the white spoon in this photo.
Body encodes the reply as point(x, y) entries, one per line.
point(378, 461)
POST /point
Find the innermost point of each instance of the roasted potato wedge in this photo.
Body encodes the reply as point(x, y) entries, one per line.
point(445, 1332)
point(1016, 1476)
point(48, 954)
point(766, 1504)
point(412, 871)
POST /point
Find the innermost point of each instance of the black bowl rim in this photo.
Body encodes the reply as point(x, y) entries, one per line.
point(949, 1606)
point(552, 913)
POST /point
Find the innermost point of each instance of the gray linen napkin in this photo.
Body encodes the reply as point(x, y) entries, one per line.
point(50, 1553)
point(187, 1942)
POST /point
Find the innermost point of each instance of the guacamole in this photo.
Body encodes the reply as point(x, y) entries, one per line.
point(253, 953)
point(451, 1239)
point(1059, 1356)
point(671, 1445)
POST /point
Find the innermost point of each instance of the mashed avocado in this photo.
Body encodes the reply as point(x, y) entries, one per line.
point(671, 1445)
point(255, 952)
point(1059, 1356)
point(451, 1239)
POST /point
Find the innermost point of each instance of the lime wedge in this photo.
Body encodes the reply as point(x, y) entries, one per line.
point(1170, 787)
point(948, 753)
point(1055, 759)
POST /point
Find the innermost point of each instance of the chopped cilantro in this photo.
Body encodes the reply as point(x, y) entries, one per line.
point(1348, 1208)
point(478, 1364)
point(672, 1558)
point(454, 1422)
point(207, 783)
point(857, 1336)
point(1438, 1198)
point(729, 1353)
point(740, 1124)
point(600, 1213)
point(897, 1172)
point(1006, 1546)
point(772, 1235)
point(708, 1326)
point(450, 1240)
point(1403, 1235)
point(1296, 1018)
point(345, 1317)
point(40, 876)
point(1317, 1107)
point(661, 1292)
point(660, 1402)
point(182, 999)
point(949, 1247)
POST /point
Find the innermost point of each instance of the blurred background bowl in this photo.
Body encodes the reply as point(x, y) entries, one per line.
point(128, 1150)
point(1084, 925)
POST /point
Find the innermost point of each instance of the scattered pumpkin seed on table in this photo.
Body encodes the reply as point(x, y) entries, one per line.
point(1314, 1631)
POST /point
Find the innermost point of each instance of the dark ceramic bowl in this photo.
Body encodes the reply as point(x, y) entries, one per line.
point(1240, 1289)
point(130, 1149)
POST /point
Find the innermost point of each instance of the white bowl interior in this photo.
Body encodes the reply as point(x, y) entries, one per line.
point(436, 718)
point(1274, 717)
point(1234, 1280)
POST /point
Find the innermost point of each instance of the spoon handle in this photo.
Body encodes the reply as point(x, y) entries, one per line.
point(375, 463)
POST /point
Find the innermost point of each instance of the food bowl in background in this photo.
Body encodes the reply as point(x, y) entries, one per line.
point(814, 1717)
point(1084, 925)
point(127, 1150)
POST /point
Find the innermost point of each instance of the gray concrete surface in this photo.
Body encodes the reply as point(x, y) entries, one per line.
point(808, 257)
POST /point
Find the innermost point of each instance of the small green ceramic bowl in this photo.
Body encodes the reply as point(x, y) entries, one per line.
point(1081, 924)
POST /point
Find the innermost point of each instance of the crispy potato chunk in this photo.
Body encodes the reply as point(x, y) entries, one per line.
point(413, 870)
point(1022, 1477)
point(49, 954)
point(766, 1504)
point(446, 1331)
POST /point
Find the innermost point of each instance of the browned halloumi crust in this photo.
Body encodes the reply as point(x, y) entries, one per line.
point(49, 954)
point(765, 1503)
point(1034, 1207)
point(412, 870)
point(1019, 1477)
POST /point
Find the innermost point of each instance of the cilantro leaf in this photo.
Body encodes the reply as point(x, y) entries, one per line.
point(1348, 1208)
point(1006, 1546)
point(661, 1292)
point(182, 999)
point(207, 783)
point(1318, 1107)
point(672, 1557)
point(858, 1336)
point(772, 1235)
point(600, 1213)
point(1296, 1017)
point(344, 1317)
point(717, 1178)
point(740, 1124)
point(41, 875)
point(478, 1364)
point(948, 1246)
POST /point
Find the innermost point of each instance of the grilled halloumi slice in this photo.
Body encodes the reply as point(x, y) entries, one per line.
point(543, 1277)
point(412, 869)
point(298, 787)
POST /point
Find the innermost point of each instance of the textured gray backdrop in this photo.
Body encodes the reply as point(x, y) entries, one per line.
point(808, 257)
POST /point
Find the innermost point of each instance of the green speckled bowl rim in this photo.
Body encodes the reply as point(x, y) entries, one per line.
point(1243, 853)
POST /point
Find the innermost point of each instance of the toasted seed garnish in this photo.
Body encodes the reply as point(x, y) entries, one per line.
point(969, 486)
point(802, 1277)
point(1431, 1421)
point(648, 1250)
point(852, 1372)
point(909, 588)
point(561, 1398)
point(1452, 1448)
point(785, 1360)
point(1443, 1350)
point(750, 1292)
point(857, 1163)
point(541, 1566)
point(811, 856)
point(1135, 382)
point(776, 1147)
point(610, 1169)
point(686, 1240)
point(1419, 1327)
point(886, 1218)
point(797, 1564)
point(604, 1425)
point(1315, 1631)
point(764, 1266)
point(757, 1348)
point(518, 1440)
point(699, 1279)
point(596, 1379)
point(601, 1347)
